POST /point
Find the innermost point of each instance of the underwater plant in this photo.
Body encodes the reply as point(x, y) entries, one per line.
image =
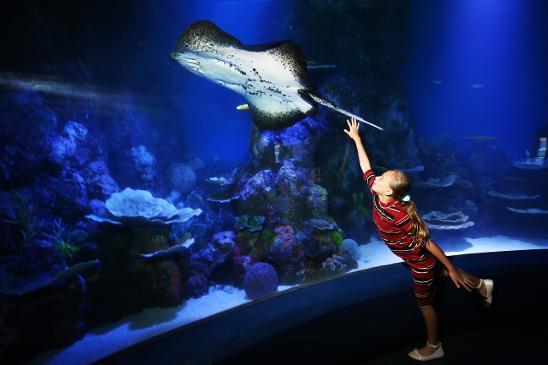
point(320, 224)
point(61, 239)
point(336, 238)
point(25, 217)
point(66, 248)
point(357, 200)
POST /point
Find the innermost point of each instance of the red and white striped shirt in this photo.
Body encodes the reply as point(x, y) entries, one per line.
point(394, 226)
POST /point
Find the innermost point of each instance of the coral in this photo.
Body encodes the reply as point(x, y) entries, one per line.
point(254, 223)
point(317, 200)
point(144, 162)
point(196, 285)
point(25, 217)
point(338, 265)
point(336, 238)
point(100, 183)
point(267, 235)
point(284, 234)
point(350, 248)
point(261, 279)
point(63, 240)
point(357, 200)
point(455, 220)
point(139, 206)
point(67, 248)
point(182, 177)
point(320, 224)
point(66, 144)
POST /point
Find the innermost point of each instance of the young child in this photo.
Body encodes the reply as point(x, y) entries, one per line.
point(406, 234)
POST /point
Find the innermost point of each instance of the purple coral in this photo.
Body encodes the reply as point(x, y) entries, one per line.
point(261, 279)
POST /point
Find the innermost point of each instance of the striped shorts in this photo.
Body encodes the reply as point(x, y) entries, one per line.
point(426, 282)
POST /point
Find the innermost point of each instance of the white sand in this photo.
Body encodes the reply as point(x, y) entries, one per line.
point(150, 322)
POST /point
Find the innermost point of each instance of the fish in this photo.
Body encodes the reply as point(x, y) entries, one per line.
point(271, 77)
point(480, 138)
point(313, 65)
point(58, 279)
point(515, 179)
point(176, 252)
point(437, 82)
point(477, 86)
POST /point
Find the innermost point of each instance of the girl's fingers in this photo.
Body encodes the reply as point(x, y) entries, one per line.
point(466, 284)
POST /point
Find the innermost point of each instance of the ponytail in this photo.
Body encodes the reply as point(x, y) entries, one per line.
point(418, 228)
point(401, 184)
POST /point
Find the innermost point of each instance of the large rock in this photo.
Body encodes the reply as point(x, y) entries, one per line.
point(295, 143)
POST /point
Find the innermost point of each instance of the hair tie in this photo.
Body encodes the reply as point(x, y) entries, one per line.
point(406, 198)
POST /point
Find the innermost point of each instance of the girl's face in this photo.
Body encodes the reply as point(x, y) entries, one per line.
point(381, 185)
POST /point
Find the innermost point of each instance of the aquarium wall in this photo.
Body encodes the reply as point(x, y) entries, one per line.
point(141, 185)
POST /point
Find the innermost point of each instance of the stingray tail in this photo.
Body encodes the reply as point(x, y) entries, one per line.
point(326, 103)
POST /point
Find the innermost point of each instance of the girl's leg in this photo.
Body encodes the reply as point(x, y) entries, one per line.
point(474, 281)
point(431, 321)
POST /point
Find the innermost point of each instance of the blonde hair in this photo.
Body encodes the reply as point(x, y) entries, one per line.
point(400, 185)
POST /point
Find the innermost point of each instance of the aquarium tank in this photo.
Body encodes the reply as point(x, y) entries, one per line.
point(162, 162)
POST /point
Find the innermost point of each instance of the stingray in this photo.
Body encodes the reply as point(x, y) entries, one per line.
point(272, 77)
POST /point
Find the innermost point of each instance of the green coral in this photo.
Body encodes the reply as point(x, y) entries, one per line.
point(357, 199)
point(63, 241)
point(66, 247)
point(336, 238)
point(254, 223)
point(267, 235)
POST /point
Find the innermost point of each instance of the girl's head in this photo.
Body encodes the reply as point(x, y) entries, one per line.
point(396, 184)
point(393, 184)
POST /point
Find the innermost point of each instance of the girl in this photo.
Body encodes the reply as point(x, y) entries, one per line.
point(406, 234)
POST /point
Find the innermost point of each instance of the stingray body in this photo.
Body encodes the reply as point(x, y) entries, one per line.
point(272, 77)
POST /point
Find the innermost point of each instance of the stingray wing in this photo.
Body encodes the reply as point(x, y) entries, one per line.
point(274, 99)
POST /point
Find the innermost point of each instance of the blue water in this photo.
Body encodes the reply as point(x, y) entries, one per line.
point(91, 104)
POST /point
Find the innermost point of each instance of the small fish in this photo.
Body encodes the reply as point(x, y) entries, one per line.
point(480, 138)
point(515, 179)
point(477, 86)
point(315, 67)
point(175, 252)
point(437, 82)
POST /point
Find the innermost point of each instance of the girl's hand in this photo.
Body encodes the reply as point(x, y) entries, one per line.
point(353, 129)
point(460, 279)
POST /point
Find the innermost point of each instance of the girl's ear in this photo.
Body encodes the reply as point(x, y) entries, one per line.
point(389, 192)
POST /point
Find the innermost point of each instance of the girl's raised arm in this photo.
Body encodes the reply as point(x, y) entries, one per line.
point(353, 133)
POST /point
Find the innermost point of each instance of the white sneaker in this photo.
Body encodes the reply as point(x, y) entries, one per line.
point(488, 290)
point(435, 355)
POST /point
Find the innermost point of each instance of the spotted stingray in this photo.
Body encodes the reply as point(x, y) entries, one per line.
point(272, 77)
